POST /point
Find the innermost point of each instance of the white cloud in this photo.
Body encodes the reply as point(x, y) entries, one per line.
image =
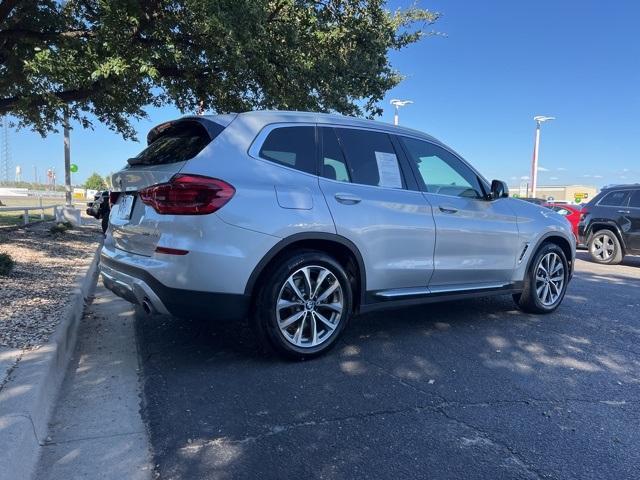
point(625, 169)
point(561, 169)
point(586, 175)
point(514, 178)
point(623, 177)
point(553, 178)
point(524, 178)
point(597, 176)
point(542, 169)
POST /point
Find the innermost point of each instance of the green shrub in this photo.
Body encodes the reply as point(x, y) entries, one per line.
point(6, 264)
point(60, 227)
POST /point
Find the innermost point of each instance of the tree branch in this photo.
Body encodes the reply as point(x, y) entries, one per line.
point(23, 33)
point(66, 96)
point(6, 7)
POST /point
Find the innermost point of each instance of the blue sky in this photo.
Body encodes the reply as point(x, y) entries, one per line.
point(477, 89)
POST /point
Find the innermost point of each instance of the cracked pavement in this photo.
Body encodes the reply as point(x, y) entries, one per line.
point(472, 390)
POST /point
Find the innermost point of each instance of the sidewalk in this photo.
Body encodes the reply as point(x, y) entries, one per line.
point(96, 431)
point(41, 303)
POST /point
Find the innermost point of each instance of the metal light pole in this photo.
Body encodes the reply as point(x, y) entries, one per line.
point(540, 119)
point(397, 104)
point(67, 161)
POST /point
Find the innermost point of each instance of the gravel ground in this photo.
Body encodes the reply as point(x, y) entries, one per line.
point(34, 295)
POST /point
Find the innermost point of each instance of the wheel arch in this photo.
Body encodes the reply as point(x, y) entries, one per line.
point(558, 240)
point(339, 247)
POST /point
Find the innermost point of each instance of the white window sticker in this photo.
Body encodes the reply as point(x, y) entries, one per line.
point(388, 170)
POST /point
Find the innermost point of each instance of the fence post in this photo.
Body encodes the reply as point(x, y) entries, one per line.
point(26, 216)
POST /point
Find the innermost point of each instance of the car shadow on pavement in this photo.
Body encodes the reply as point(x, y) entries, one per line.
point(628, 260)
point(428, 378)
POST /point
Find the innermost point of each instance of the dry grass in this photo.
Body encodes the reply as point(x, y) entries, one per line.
point(34, 295)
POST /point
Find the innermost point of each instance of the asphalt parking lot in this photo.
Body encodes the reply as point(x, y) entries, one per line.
point(472, 389)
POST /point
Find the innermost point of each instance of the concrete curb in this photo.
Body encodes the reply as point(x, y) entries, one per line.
point(28, 398)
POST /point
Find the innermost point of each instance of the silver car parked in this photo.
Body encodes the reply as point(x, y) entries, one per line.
point(301, 220)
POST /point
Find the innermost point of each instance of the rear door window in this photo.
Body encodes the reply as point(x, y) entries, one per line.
point(293, 147)
point(370, 157)
point(177, 142)
point(616, 198)
point(334, 165)
point(634, 201)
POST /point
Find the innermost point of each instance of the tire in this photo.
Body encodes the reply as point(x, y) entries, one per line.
point(604, 247)
point(544, 292)
point(277, 303)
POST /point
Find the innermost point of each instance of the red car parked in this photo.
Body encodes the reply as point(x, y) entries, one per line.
point(572, 212)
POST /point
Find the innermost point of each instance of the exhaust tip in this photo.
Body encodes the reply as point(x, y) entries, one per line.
point(147, 307)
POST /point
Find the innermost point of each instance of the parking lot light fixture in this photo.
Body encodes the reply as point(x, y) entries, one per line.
point(397, 104)
point(540, 119)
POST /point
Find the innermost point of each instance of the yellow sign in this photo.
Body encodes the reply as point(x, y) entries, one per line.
point(580, 196)
point(79, 194)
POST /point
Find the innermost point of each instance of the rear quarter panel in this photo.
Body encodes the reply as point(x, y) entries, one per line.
point(270, 198)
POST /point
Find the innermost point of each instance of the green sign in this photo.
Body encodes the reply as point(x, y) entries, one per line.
point(73, 168)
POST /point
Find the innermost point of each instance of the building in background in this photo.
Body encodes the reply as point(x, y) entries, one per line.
point(577, 194)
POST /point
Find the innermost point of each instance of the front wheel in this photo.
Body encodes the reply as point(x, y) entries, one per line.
point(546, 281)
point(303, 305)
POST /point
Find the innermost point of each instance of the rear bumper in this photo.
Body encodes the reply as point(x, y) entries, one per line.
point(138, 286)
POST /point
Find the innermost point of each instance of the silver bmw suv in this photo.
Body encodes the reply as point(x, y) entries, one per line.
point(301, 220)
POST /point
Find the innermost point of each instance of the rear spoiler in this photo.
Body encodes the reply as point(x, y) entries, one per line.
point(211, 123)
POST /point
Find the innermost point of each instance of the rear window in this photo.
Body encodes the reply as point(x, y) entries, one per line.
point(561, 210)
point(177, 142)
point(294, 147)
point(615, 199)
point(635, 199)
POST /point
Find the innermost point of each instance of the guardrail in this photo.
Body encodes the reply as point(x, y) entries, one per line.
point(26, 211)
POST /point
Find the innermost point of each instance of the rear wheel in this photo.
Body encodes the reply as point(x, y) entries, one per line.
point(605, 248)
point(546, 281)
point(303, 305)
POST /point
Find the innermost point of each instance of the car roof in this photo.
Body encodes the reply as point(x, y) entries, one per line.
point(283, 116)
point(568, 206)
point(266, 117)
point(627, 186)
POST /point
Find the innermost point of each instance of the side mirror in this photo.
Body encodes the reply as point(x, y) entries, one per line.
point(499, 189)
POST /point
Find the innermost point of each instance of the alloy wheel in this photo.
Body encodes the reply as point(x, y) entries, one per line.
point(310, 306)
point(603, 247)
point(549, 279)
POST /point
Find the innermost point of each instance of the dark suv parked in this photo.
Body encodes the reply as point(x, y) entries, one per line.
point(610, 224)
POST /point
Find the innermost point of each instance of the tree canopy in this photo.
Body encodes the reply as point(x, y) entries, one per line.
point(95, 182)
point(108, 59)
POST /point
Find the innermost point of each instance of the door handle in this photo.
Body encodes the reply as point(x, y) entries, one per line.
point(347, 198)
point(447, 209)
point(624, 211)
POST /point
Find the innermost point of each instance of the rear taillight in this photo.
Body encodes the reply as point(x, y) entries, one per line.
point(188, 195)
point(113, 198)
point(583, 215)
